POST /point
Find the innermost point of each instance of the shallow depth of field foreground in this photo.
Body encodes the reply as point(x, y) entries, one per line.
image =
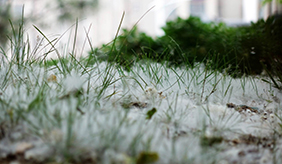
point(73, 112)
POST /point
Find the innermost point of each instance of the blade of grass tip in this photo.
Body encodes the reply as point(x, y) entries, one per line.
point(13, 29)
point(208, 113)
point(153, 73)
point(21, 31)
point(118, 30)
point(175, 105)
point(148, 70)
point(28, 54)
point(13, 44)
point(36, 48)
point(158, 79)
point(64, 67)
point(37, 51)
point(24, 52)
point(55, 42)
point(50, 50)
point(52, 45)
point(90, 44)
point(255, 87)
point(230, 94)
point(107, 81)
point(108, 77)
point(169, 109)
point(198, 75)
point(16, 41)
point(193, 76)
point(228, 87)
point(4, 54)
point(140, 19)
point(177, 81)
point(75, 37)
point(141, 78)
point(213, 90)
point(179, 76)
point(134, 26)
point(207, 77)
point(243, 83)
point(85, 40)
point(120, 71)
point(178, 47)
point(204, 83)
point(64, 33)
point(109, 68)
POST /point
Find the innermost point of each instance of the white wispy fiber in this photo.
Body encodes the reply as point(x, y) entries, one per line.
point(108, 118)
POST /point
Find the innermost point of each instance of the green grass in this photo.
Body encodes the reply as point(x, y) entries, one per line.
point(84, 110)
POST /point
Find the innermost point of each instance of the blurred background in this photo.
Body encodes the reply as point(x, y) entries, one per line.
point(99, 19)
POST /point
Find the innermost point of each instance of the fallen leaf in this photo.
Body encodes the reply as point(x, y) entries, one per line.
point(150, 113)
point(147, 157)
point(52, 78)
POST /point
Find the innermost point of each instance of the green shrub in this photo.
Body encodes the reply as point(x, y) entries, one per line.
point(200, 41)
point(262, 43)
point(246, 49)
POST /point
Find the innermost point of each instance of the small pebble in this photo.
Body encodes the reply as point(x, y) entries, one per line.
point(39, 153)
point(22, 147)
point(15, 162)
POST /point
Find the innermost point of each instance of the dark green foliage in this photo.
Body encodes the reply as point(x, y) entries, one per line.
point(147, 157)
point(150, 113)
point(11, 26)
point(5, 15)
point(130, 47)
point(200, 41)
point(262, 42)
point(244, 50)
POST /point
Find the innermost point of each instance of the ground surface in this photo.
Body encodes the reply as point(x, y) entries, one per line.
point(153, 113)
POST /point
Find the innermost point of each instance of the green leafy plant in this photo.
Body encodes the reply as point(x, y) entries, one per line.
point(186, 41)
point(150, 113)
